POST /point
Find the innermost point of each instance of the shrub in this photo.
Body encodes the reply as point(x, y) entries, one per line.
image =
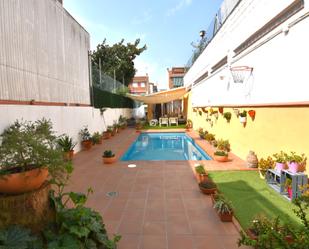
point(209, 137)
point(66, 143)
point(265, 164)
point(220, 153)
point(85, 134)
point(29, 145)
point(281, 157)
point(96, 137)
point(108, 153)
point(200, 169)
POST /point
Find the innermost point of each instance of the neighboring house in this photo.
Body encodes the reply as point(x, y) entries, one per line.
point(175, 77)
point(271, 38)
point(139, 85)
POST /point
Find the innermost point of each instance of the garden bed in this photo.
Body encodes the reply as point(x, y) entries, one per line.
point(251, 195)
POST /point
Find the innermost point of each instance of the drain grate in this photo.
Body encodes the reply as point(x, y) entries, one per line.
point(112, 194)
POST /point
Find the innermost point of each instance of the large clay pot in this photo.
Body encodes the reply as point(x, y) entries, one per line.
point(107, 134)
point(19, 183)
point(252, 160)
point(109, 160)
point(208, 191)
point(87, 144)
point(221, 158)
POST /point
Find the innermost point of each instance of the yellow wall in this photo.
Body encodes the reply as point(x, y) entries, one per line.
point(274, 129)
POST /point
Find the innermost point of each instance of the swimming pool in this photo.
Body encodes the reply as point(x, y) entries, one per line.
point(164, 146)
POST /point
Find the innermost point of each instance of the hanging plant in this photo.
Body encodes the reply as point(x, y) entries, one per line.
point(243, 118)
point(252, 114)
point(236, 111)
point(211, 111)
point(204, 109)
point(221, 110)
point(216, 115)
point(227, 116)
point(194, 110)
point(200, 112)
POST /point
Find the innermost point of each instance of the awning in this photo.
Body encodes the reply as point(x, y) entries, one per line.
point(160, 97)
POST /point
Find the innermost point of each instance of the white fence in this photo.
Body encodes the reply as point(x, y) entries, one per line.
point(43, 53)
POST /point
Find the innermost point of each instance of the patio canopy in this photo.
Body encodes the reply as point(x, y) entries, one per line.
point(160, 97)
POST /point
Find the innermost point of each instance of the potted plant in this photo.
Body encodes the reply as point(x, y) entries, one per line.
point(252, 114)
point(138, 126)
point(209, 137)
point(223, 145)
point(288, 186)
point(280, 159)
point(243, 117)
point(86, 138)
point(96, 138)
point(201, 173)
point(224, 208)
point(227, 116)
point(108, 133)
point(108, 157)
point(236, 112)
point(122, 122)
point(214, 143)
point(28, 154)
point(67, 146)
point(189, 125)
point(264, 165)
point(207, 187)
point(296, 163)
point(221, 156)
point(220, 110)
point(202, 133)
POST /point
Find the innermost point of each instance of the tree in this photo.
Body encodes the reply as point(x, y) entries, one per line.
point(118, 58)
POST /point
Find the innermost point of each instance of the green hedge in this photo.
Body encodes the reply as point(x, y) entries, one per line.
point(106, 99)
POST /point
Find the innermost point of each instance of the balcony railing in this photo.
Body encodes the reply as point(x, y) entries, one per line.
point(226, 8)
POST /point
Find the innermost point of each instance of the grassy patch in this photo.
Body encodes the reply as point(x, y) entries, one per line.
point(146, 127)
point(251, 195)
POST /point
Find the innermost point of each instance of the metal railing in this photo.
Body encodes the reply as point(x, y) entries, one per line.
point(226, 8)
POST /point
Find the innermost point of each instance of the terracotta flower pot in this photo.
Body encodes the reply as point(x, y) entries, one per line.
point(208, 191)
point(279, 166)
point(221, 158)
point(225, 217)
point(109, 160)
point(202, 177)
point(68, 156)
point(107, 134)
point(87, 144)
point(19, 183)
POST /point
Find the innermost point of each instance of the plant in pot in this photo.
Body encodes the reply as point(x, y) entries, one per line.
point(227, 116)
point(108, 157)
point(252, 114)
point(123, 122)
point(96, 138)
point(264, 165)
point(221, 156)
point(214, 143)
point(243, 117)
point(296, 163)
point(28, 154)
point(67, 145)
point(108, 133)
point(209, 137)
point(189, 125)
point(223, 145)
point(86, 138)
point(202, 133)
point(207, 187)
point(224, 208)
point(280, 159)
point(201, 173)
point(139, 126)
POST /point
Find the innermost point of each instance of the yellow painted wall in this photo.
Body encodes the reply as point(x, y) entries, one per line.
point(274, 129)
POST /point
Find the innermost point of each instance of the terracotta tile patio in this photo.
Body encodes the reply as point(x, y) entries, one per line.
point(158, 204)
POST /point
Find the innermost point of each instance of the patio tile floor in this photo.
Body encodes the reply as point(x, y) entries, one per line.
point(158, 204)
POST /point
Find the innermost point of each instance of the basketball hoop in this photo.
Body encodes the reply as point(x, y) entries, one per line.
point(241, 73)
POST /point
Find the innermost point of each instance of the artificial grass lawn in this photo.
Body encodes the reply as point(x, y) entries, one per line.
point(250, 195)
point(163, 127)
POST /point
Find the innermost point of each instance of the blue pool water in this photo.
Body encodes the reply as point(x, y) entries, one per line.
point(164, 146)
